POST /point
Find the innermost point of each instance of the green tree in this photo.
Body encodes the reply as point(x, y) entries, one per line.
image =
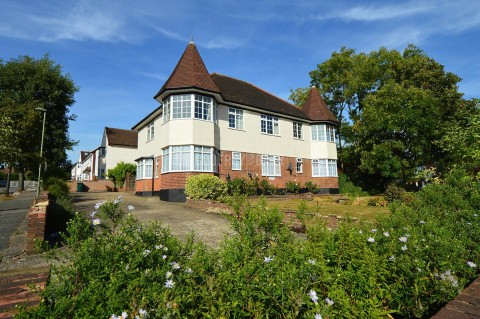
point(119, 173)
point(26, 84)
point(9, 150)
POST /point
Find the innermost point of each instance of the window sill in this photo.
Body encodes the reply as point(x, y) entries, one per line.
point(276, 135)
point(236, 129)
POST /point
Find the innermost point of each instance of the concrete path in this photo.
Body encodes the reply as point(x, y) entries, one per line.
point(12, 213)
point(207, 227)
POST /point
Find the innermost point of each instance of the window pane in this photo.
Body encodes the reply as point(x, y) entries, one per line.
point(332, 168)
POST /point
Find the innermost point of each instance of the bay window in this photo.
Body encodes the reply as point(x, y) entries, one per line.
point(189, 158)
point(184, 106)
point(324, 167)
point(144, 168)
point(323, 132)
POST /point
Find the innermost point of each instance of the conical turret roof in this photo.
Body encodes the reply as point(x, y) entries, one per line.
point(190, 72)
point(316, 109)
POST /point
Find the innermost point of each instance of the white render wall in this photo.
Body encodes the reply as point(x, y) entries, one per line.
point(116, 154)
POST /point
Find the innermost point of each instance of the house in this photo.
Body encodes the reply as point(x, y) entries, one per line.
point(216, 124)
point(118, 145)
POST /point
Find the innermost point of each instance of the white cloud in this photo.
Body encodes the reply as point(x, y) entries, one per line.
point(376, 13)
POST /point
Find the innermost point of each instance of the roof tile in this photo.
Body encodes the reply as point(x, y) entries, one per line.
point(121, 137)
point(316, 109)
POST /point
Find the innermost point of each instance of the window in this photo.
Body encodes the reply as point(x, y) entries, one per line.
point(324, 167)
point(235, 118)
point(181, 106)
point(299, 165)
point(236, 161)
point(165, 160)
point(150, 131)
point(270, 165)
point(189, 158)
point(157, 163)
point(180, 158)
point(144, 168)
point(297, 130)
point(202, 158)
point(269, 125)
point(166, 110)
point(323, 132)
point(203, 107)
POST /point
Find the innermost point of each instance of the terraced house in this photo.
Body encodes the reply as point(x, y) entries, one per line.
point(212, 123)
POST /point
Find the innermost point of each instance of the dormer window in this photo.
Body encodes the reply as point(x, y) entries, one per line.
point(179, 106)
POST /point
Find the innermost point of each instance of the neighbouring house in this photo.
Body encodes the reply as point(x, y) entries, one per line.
point(82, 170)
point(216, 124)
point(118, 145)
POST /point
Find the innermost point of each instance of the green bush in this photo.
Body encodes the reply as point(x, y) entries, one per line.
point(57, 187)
point(394, 192)
point(292, 187)
point(407, 264)
point(205, 186)
point(311, 187)
point(236, 186)
point(266, 188)
point(252, 187)
point(118, 174)
point(346, 187)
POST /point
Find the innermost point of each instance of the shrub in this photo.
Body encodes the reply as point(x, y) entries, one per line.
point(205, 186)
point(394, 192)
point(292, 187)
point(252, 187)
point(119, 173)
point(266, 188)
point(311, 187)
point(346, 187)
point(236, 186)
point(56, 187)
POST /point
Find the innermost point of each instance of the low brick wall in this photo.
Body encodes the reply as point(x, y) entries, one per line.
point(37, 217)
point(92, 186)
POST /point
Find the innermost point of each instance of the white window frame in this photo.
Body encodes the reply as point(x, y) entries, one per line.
point(150, 131)
point(235, 117)
point(297, 130)
point(189, 106)
point(323, 133)
point(299, 165)
point(236, 161)
point(271, 165)
point(144, 168)
point(157, 163)
point(323, 167)
point(269, 125)
point(189, 158)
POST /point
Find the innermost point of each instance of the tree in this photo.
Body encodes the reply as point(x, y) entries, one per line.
point(27, 84)
point(119, 173)
point(9, 150)
point(393, 106)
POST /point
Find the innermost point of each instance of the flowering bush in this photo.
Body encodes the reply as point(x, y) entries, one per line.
point(408, 264)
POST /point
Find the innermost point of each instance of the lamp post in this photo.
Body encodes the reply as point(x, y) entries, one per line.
point(41, 148)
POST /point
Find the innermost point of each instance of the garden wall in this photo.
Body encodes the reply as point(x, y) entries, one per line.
point(37, 217)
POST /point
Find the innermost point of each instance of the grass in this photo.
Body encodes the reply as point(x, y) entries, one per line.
point(328, 205)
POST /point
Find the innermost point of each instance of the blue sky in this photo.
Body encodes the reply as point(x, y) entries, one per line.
point(121, 52)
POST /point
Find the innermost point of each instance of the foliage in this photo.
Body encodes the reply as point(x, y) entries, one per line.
point(408, 264)
point(311, 187)
point(266, 188)
point(293, 187)
point(119, 173)
point(56, 187)
point(346, 187)
point(27, 84)
point(205, 186)
point(10, 151)
point(394, 192)
point(236, 186)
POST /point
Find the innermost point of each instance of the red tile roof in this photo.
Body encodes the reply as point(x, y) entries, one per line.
point(316, 109)
point(120, 137)
point(190, 72)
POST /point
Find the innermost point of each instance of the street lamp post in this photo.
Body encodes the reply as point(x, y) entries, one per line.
point(41, 148)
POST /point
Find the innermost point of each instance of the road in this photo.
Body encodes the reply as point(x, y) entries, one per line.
point(12, 213)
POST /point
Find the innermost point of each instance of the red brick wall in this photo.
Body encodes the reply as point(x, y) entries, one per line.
point(37, 217)
point(93, 186)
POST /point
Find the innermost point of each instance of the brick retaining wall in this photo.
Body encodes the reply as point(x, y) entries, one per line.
point(37, 217)
point(92, 186)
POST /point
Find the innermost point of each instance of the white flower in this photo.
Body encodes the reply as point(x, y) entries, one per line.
point(267, 259)
point(146, 252)
point(97, 205)
point(471, 264)
point(311, 261)
point(164, 257)
point(404, 247)
point(374, 230)
point(318, 316)
point(93, 214)
point(130, 207)
point(188, 270)
point(392, 257)
point(422, 222)
point(403, 239)
point(165, 248)
point(329, 302)
point(371, 240)
point(475, 215)
point(124, 315)
point(142, 313)
point(158, 246)
point(175, 265)
point(386, 234)
point(360, 232)
point(313, 296)
point(169, 283)
point(96, 221)
point(168, 274)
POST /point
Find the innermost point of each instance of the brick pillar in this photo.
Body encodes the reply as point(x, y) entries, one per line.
point(37, 217)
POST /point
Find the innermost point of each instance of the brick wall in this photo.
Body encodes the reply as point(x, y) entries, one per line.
point(37, 217)
point(92, 186)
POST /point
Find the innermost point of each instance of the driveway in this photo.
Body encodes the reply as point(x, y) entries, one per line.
point(207, 227)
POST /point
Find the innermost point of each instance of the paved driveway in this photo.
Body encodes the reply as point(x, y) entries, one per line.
point(209, 228)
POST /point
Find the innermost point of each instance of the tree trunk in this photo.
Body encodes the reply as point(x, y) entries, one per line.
point(21, 180)
point(7, 190)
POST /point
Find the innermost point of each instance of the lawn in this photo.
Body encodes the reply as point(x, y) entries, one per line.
point(365, 208)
